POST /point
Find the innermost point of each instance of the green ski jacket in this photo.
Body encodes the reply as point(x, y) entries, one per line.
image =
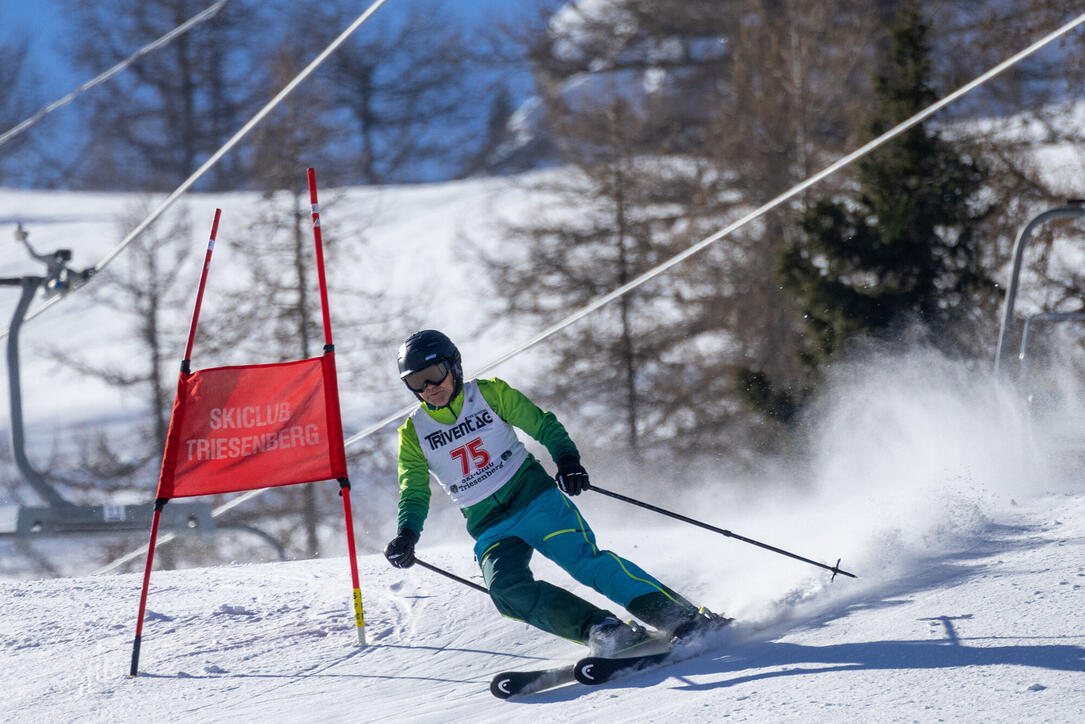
point(529, 481)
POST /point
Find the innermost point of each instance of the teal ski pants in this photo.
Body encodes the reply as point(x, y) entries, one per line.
point(553, 526)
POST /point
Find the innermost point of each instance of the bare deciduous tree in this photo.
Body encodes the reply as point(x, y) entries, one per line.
point(411, 88)
point(150, 127)
point(725, 107)
point(142, 286)
point(18, 95)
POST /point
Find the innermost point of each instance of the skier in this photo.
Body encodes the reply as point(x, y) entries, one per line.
point(463, 433)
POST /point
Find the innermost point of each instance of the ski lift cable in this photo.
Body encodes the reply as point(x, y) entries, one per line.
point(222, 151)
point(155, 45)
point(699, 246)
point(760, 211)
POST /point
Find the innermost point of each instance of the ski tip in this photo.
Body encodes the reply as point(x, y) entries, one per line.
point(585, 670)
point(500, 686)
point(520, 683)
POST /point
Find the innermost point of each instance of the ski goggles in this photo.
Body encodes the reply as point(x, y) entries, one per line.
point(434, 375)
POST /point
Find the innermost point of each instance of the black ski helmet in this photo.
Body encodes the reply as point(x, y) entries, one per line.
point(425, 348)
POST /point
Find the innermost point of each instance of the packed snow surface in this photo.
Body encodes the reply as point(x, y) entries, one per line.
point(989, 631)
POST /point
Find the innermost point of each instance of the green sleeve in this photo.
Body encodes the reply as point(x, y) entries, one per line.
point(516, 409)
point(414, 491)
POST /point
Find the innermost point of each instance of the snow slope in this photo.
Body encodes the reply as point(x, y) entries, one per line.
point(989, 631)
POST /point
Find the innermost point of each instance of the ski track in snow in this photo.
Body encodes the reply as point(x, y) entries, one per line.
point(992, 631)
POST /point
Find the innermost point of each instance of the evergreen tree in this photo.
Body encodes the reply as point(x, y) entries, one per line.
point(907, 249)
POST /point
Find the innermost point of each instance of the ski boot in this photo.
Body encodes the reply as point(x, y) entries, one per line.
point(613, 639)
point(699, 624)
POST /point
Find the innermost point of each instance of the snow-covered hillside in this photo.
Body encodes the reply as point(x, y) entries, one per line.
point(959, 507)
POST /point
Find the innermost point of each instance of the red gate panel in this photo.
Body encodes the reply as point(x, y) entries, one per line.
point(253, 426)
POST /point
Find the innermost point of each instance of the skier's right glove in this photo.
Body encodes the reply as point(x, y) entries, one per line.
point(572, 477)
point(400, 550)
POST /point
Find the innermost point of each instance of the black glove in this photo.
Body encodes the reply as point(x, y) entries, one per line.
point(400, 550)
point(572, 477)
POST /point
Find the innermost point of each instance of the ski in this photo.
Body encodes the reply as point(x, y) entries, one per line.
point(595, 670)
point(519, 683)
point(586, 670)
point(590, 670)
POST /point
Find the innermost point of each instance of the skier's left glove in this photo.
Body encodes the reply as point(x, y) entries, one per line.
point(400, 550)
point(572, 477)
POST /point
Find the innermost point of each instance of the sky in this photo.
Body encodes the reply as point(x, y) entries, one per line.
point(42, 24)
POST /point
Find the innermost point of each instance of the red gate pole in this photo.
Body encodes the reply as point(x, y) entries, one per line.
point(199, 292)
point(333, 404)
point(158, 505)
point(359, 614)
point(320, 257)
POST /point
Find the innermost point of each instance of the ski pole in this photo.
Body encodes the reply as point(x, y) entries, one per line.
point(835, 569)
point(453, 576)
